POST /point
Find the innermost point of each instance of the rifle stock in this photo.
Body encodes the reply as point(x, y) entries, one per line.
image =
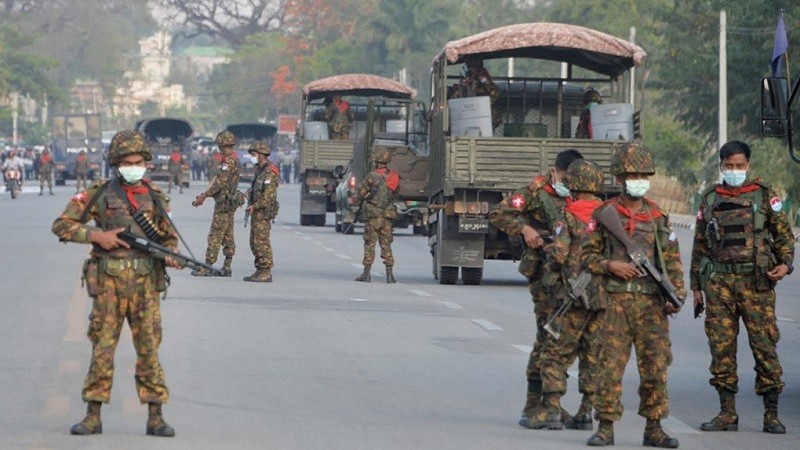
point(609, 218)
point(160, 252)
point(577, 294)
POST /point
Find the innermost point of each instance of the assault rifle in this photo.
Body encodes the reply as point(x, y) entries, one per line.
point(609, 218)
point(160, 252)
point(577, 293)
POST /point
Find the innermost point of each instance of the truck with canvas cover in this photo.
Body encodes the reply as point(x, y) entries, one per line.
point(483, 148)
point(246, 134)
point(165, 134)
point(320, 155)
point(71, 134)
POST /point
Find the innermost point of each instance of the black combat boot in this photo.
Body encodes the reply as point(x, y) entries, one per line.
point(771, 422)
point(203, 272)
point(654, 436)
point(155, 423)
point(226, 267)
point(548, 414)
point(389, 275)
point(41, 190)
point(532, 402)
point(90, 424)
point(582, 420)
point(604, 435)
point(365, 276)
point(726, 420)
point(260, 276)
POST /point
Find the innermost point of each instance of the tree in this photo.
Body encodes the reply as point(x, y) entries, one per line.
point(20, 69)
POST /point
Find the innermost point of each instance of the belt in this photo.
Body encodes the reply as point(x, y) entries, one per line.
point(735, 268)
point(127, 263)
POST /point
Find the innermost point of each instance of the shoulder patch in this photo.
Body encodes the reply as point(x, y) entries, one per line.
point(776, 204)
point(80, 197)
point(591, 226)
point(517, 201)
point(224, 166)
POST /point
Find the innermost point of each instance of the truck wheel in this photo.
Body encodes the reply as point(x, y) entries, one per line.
point(336, 224)
point(61, 182)
point(305, 219)
point(472, 276)
point(348, 227)
point(318, 220)
point(448, 275)
point(420, 229)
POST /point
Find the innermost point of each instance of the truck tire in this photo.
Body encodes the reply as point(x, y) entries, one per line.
point(305, 219)
point(337, 226)
point(348, 227)
point(472, 276)
point(448, 275)
point(420, 230)
point(318, 220)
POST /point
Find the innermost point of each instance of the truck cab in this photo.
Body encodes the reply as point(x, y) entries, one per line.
point(71, 134)
point(165, 134)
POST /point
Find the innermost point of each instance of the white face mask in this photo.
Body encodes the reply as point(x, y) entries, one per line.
point(637, 188)
point(734, 178)
point(132, 174)
point(561, 190)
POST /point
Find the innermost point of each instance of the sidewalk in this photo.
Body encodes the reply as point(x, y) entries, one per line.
point(687, 221)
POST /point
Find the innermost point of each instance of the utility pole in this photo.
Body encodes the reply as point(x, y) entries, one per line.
point(723, 79)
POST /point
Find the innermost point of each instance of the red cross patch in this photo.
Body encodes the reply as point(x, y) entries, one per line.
point(517, 201)
point(79, 197)
point(700, 214)
point(591, 226)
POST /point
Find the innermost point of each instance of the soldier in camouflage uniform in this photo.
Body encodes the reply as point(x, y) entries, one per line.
point(531, 213)
point(81, 171)
point(478, 83)
point(591, 98)
point(263, 207)
point(124, 283)
point(175, 170)
point(578, 326)
point(636, 314)
point(743, 245)
point(227, 199)
point(376, 194)
point(339, 118)
point(46, 166)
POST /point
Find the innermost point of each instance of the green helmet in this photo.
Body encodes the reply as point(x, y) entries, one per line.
point(128, 142)
point(225, 138)
point(259, 147)
point(584, 175)
point(382, 155)
point(633, 158)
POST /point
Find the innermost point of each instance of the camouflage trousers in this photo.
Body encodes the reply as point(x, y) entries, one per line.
point(578, 333)
point(130, 296)
point(220, 235)
point(729, 298)
point(260, 227)
point(175, 177)
point(46, 177)
point(378, 229)
point(638, 321)
point(543, 306)
point(80, 181)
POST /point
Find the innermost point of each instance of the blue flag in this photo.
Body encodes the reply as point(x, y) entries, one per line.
point(781, 46)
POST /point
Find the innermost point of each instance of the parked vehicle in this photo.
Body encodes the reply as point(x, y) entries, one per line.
point(246, 134)
point(319, 155)
point(71, 134)
point(777, 117)
point(165, 134)
point(474, 165)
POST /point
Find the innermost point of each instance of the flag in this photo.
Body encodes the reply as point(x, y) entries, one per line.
point(781, 46)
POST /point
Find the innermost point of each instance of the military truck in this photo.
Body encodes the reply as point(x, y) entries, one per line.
point(475, 165)
point(71, 134)
point(164, 134)
point(777, 117)
point(246, 134)
point(408, 145)
point(319, 155)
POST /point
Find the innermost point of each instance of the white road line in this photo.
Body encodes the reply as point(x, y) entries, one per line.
point(299, 233)
point(332, 250)
point(420, 293)
point(677, 426)
point(359, 299)
point(341, 256)
point(451, 305)
point(357, 266)
point(785, 319)
point(527, 349)
point(488, 326)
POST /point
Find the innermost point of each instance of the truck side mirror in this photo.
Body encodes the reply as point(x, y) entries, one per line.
point(774, 115)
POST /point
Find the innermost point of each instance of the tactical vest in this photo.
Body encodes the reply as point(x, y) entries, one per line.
point(258, 189)
point(735, 231)
point(113, 212)
point(644, 234)
point(382, 200)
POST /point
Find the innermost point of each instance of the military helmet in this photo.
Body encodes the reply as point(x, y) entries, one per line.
point(584, 175)
point(128, 142)
point(382, 155)
point(225, 138)
point(633, 158)
point(259, 147)
point(592, 95)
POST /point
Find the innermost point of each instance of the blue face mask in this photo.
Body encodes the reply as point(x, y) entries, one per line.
point(734, 178)
point(637, 188)
point(591, 105)
point(561, 190)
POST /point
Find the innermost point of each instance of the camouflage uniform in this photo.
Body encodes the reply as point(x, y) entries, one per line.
point(339, 120)
point(379, 213)
point(480, 84)
point(175, 169)
point(81, 171)
point(46, 166)
point(740, 234)
point(263, 196)
point(584, 128)
point(223, 190)
point(123, 283)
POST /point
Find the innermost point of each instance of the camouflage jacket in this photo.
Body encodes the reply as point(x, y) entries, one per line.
point(378, 199)
point(778, 238)
point(264, 188)
point(174, 166)
point(46, 167)
point(601, 246)
point(568, 239)
point(81, 166)
point(226, 179)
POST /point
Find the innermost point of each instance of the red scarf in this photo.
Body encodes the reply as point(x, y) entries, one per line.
point(730, 191)
point(81, 158)
point(130, 191)
point(640, 216)
point(392, 179)
point(175, 157)
point(45, 159)
point(549, 189)
point(583, 209)
point(274, 169)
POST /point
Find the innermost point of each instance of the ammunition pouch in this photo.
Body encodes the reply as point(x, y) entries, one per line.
point(90, 277)
point(734, 268)
point(114, 267)
point(765, 262)
point(706, 270)
point(271, 211)
point(390, 213)
point(598, 297)
point(160, 275)
point(530, 264)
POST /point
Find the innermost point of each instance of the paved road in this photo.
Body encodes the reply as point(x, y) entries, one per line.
point(317, 361)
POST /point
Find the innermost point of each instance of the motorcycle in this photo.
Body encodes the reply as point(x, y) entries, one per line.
point(13, 181)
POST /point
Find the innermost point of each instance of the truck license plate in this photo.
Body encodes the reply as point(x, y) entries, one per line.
point(473, 225)
point(317, 190)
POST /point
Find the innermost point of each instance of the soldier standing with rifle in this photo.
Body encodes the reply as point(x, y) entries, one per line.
point(227, 199)
point(743, 245)
point(81, 171)
point(625, 234)
point(124, 282)
point(531, 213)
point(262, 207)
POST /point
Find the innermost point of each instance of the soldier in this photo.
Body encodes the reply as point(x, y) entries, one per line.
point(376, 195)
point(175, 169)
point(637, 314)
point(478, 82)
point(46, 165)
point(262, 207)
point(591, 98)
point(227, 199)
point(743, 245)
point(124, 283)
point(338, 116)
point(530, 213)
point(81, 171)
point(578, 326)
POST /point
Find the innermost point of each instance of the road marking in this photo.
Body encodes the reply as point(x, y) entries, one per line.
point(359, 299)
point(56, 406)
point(70, 366)
point(77, 323)
point(677, 426)
point(451, 305)
point(332, 250)
point(357, 266)
point(488, 326)
point(527, 349)
point(785, 319)
point(341, 256)
point(421, 293)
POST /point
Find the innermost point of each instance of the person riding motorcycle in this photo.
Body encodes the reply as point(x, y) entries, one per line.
point(13, 162)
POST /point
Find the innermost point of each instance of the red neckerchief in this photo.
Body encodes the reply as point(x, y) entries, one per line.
point(640, 216)
point(392, 178)
point(274, 169)
point(583, 209)
point(130, 191)
point(343, 106)
point(81, 158)
point(45, 159)
point(549, 189)
point(730, 191)
point(175, 157)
